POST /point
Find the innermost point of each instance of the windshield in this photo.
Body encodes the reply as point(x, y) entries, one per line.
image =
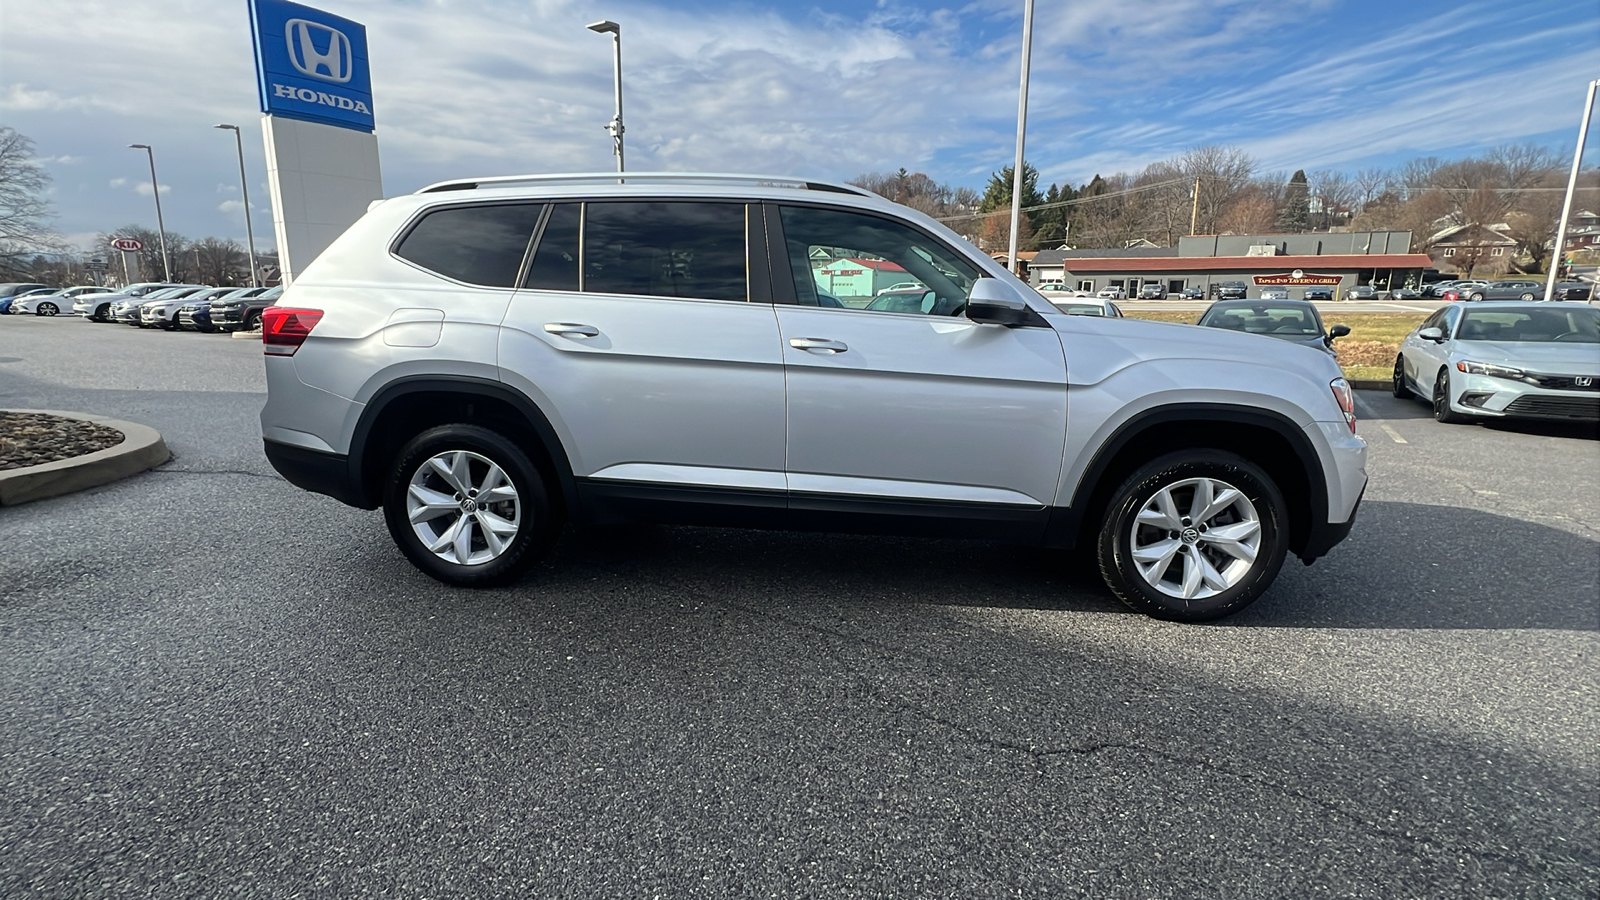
point(1577, 326)
point(1263, 318)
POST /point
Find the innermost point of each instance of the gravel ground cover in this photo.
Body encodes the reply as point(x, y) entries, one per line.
point(30, 439)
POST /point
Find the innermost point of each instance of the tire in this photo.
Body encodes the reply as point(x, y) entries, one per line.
point(1441, 403)
point(101, 314)
point(1525, 298)
point(47, 309)
point(1401, 392)
point(1217, 582)
point(1476, 296)
point(252, 321)
point(525, 519)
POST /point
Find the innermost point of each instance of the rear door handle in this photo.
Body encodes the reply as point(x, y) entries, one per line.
point(570, 329)
point(826, 346)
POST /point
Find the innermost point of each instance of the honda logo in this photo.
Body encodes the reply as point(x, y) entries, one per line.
point(1583, 381)
point(331, 64)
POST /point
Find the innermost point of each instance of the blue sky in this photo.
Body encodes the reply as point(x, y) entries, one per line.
point(823, 89)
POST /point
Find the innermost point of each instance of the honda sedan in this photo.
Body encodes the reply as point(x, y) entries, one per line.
point(1496, 360)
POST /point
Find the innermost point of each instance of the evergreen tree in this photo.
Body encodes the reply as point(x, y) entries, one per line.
point(1294, 215)
point(997, 195)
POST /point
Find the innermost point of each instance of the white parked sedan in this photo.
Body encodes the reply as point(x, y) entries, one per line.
point(1505, 360)
point(55, 302)
point(1112, 293)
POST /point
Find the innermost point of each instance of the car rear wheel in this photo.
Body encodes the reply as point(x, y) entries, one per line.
point(1401, 392)
point(1441, 401)
point(1192, 536)
point(468, 507)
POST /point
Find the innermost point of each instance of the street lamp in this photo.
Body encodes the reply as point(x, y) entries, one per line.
point(161, 227)
point(250, 233)
point(1022, 130)
point(615, 125)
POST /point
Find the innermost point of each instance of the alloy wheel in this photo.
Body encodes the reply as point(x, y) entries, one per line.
point(463, 507)
point(1196, 538)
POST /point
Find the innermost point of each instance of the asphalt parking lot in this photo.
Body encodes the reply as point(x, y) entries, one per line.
point(215, 684)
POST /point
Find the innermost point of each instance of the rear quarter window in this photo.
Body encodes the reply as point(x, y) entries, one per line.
point(481, 245)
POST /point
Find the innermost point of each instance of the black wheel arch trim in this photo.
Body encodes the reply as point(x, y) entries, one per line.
point(1067, 523)
point(457, 384)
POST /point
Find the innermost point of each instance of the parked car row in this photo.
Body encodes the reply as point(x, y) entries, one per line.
point(189, 307)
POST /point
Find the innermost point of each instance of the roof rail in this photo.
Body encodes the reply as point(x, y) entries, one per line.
point(468, 184)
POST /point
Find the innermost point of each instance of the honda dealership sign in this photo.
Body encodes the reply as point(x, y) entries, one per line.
point(322, 151)
point(311, 65)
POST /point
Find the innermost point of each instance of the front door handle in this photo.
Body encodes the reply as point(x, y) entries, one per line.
point(570, 329)
point(826, 346)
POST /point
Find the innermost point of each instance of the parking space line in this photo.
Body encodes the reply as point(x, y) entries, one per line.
point(1392, 433)
point(1367, 413)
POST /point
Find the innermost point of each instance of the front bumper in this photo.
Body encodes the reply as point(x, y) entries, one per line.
point(1488, 397)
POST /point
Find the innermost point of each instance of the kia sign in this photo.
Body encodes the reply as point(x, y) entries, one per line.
point(127, 245)
point(1297, 278)
point(311, 65)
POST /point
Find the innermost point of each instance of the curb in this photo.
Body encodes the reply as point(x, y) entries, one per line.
point(142, 448)
point(1371, 384)
point(246, 335)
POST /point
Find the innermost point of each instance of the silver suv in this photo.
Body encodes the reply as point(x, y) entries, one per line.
point(487, 359)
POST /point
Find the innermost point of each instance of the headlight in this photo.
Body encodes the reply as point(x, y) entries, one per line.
point(1478, 368)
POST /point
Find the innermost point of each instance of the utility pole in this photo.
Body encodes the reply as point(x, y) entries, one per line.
point(1559, 250)
point(1194, 212)
point(1022, 129)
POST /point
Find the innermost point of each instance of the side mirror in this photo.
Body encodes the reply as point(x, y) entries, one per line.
point(1432, 334)
point(1338, 331)
point(992, 302)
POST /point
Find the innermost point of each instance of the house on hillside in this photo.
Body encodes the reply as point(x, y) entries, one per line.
point(1583, 232)
point(1473, 249)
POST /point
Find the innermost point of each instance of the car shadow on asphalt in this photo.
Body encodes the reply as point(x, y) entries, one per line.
point(1405, 566)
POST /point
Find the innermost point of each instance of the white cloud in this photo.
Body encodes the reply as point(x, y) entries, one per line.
point(143, 189)
point(118, 182)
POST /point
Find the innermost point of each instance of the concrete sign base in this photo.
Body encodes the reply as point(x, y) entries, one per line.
point(322, 180)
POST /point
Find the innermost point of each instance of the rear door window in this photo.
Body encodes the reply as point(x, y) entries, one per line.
point(481, 245)
point(672, 248)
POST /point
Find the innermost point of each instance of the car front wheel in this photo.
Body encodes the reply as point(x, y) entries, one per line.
point(468, 507)
point(1441, 401)
point(1401, 392)
point(1192, 536)
point(47, 309)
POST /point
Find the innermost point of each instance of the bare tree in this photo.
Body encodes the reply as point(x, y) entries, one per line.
point(1331, 192)
point(24, 210)
point(1218, 174)
point(1369, 184)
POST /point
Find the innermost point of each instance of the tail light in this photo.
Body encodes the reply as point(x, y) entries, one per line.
point(284, 329)
point(1347, 401)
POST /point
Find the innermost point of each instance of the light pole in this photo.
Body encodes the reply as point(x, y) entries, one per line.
point(1022, 129)
point(1558, 251)
point(161, 226)
point(615, 125)
point(250, 233)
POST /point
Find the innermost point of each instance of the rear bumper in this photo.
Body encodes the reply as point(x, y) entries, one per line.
point(321, 473)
